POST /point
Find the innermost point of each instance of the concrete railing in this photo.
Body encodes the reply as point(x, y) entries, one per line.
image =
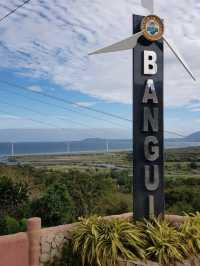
point(22, 249)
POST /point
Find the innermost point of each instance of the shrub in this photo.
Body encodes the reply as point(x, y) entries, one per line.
point(87, 189)
point(191, 233)
point(193, 165)
point(114, 203)
point(164, 242)
point(101, 242)
point(13, 196)
point(54, 207)
point(10, 225)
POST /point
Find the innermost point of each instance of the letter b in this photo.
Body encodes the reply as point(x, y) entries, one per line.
point(150, 65)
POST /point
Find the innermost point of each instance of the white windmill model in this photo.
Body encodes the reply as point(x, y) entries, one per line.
point(148, 26)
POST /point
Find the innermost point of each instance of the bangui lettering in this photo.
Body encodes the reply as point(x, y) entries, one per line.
point(150, 124)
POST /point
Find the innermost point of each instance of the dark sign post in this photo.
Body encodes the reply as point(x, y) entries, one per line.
point(147, 126)
point(147, 44)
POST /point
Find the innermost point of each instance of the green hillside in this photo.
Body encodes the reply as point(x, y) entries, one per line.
point(62, 188)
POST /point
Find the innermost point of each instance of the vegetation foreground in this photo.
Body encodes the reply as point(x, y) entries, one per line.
point(85, 185)
point(60, 190)
point(98, 241)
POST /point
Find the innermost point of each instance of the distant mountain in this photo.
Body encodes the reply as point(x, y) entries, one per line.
point(193, 137)
point(57, 135)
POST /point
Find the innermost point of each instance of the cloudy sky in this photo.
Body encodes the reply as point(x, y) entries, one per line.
point(44, 47)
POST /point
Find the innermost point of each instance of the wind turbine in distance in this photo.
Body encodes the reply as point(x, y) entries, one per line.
point(152, 28)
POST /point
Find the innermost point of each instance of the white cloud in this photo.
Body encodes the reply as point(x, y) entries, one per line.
point(35, 88)
point(12, 121)
point(85, 104)
point(52, 39)
point(9, 117)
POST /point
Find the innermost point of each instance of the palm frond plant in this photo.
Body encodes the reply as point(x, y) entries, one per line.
point(119, 238)
point(164, 242)
point(102, 242)
point(84, 239)
point(190, 230)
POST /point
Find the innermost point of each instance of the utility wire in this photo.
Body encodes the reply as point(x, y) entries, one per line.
point(64, 100)
point(14, 10)
point(56, 97)
point(43, 122)
point(61, 107)
point(65, 108)
point(42, 113)
point(33, 120)
point(46, 114)
point(175, 133)
point(79, 123)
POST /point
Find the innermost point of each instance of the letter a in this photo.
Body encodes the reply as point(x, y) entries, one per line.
point(150, 92)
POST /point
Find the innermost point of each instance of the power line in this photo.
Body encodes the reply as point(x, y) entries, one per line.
point(47, 123)
point(14, 10)
point(42, 122)
point(89, 135)
point(61, 107)
point(175, 133)
point(33, 120)
point(75, 111)
point(56, 97)
point(43, 102)
point(65, 101)
point(42, 113)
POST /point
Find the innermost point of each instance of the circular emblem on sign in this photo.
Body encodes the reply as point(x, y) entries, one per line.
point(153, 28)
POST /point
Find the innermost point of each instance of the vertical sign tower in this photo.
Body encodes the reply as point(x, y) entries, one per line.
point(147, 126)
point(147, 44)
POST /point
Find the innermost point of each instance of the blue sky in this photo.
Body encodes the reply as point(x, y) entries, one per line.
point(44, 48)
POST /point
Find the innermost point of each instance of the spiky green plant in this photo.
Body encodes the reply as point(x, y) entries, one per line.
point(190, 230)
point(164, 242)
point(101, 242)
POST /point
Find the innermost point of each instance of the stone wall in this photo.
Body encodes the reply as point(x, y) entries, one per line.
point(53, 238)
point(51, 242)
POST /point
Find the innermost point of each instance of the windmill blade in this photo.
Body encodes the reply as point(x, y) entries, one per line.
point(148, 4)
point(126, 44)
point(180, 59)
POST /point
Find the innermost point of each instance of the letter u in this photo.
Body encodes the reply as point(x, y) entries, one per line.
point(151, 185)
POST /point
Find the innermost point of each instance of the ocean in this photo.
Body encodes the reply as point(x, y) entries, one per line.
point(29, 148)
